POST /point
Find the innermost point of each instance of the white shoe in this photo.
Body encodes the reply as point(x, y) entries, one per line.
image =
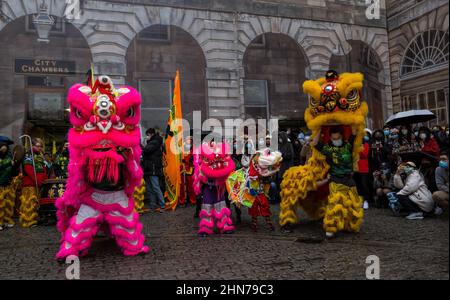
point(329, 235)
point(415, 216)
point(7, 225)
point(438, 211)
point(1, 228)
point(366, 205)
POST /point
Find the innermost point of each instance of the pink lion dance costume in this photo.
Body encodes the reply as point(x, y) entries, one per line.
point(104, 152)
point(212, 167)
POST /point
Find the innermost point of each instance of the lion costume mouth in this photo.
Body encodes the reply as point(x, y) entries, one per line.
point(103, 163)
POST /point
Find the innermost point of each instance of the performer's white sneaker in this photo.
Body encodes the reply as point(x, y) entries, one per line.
point(1, 228)
point(415, 216)
point(7, 225)
point(366, 205)
point(329, 235)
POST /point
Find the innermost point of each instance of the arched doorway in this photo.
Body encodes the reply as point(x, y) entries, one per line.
point(274, 66)
point(364, 59)
point(153, 57)
point(35, 78)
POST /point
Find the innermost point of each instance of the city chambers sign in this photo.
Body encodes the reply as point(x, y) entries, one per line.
point(44, 66)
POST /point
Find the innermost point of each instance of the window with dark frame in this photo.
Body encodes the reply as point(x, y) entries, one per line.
point(256, 99)
point(156, 101)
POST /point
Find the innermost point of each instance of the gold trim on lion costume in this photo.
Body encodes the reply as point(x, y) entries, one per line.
point(332, 102)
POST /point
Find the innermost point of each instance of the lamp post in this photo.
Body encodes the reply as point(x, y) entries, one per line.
point(43, 23)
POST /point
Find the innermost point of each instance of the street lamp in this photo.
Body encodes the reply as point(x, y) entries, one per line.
point(43, 23)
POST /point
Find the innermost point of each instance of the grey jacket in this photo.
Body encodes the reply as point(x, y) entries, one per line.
point(441, 176)
point(416, 189)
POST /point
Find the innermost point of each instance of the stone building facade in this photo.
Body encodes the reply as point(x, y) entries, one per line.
point(238, 58)
point(419, 55)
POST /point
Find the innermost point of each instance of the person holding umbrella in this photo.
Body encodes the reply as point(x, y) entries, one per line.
point(407, 139)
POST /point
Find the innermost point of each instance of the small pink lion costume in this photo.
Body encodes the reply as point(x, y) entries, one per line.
point(213, 165)
point(104, 153)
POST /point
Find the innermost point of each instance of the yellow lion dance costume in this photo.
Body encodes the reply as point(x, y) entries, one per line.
point(334, 101)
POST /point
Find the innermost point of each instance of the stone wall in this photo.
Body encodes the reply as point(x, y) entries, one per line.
point(223, 30)
point(415, 18)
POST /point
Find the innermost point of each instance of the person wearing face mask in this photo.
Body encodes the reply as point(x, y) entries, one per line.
point(152, 155)
point(379, 150)
point(33, 178)
point(62, 162)
point(339, 156)
point(362, 177)
point(306, 152)
point(414, 196)
point(287, 151)
point(8, 170)
point(393, 141)
point(407, 143)
point(427, 169)
point(246, 148)
point(441, 138)
point(440, 197)
point(297, 145)
point(427, 143)
point(268, 141)
point(386, 131)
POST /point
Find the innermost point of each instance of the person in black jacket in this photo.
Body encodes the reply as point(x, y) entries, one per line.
point(287, 151)
point(152, 165)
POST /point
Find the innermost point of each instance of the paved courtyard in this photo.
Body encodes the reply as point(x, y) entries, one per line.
point(406, 249)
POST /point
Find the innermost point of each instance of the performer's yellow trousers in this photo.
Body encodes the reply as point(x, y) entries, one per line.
point(344, 210)
point(139, 195)
point(29, 206)
point(7, 201)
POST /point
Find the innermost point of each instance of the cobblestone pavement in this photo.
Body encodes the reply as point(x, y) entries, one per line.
point(406, 249)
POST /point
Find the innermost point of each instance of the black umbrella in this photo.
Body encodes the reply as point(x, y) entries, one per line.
point(6, 140)
point(410, 117)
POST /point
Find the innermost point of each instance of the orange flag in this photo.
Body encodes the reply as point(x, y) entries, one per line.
point(173, 154)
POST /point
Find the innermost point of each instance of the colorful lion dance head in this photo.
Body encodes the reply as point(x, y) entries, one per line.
point(213, 162)
point(265, 162)
point(336, 100)
point(245, 184)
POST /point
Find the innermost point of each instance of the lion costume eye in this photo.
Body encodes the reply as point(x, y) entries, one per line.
point(78, 114)
point(130, 112)
point(353, 96)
